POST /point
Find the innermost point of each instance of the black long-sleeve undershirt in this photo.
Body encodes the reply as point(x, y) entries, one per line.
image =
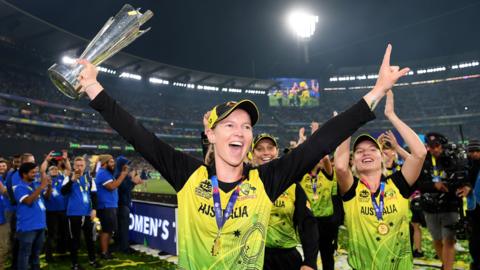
point(306, 223)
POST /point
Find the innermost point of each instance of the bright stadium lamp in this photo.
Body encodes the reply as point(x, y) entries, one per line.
point(302, 23)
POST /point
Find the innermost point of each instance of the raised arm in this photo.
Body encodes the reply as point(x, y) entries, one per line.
point(279, 174)
point(66, 160)
point(117, 182)
point(342, 166)
point(175, 166)
point(29, 199)
point(44, 165)
point(413, 162)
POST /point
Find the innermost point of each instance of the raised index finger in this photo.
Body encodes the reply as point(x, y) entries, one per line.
point(386, 57)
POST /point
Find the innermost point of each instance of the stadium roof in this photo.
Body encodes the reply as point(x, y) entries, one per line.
point(55, 42)
point(248, 38)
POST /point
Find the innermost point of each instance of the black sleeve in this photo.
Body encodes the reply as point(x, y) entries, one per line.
point(402, 184)
point(279, 174)
point(67, 188)
point(175, 166)
point(307, 228)
point(351, 192)
point(93, 197)
point(328, 176)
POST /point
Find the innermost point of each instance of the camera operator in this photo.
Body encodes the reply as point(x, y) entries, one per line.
point(473, 149)
point(442, 184)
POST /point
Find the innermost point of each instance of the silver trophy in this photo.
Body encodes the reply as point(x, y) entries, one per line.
point(116, 34)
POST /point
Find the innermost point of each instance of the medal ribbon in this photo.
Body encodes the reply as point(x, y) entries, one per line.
point(378, 207)
point(222, 216)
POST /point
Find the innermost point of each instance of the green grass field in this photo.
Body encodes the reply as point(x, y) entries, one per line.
point(156, 185)
point(133, 261)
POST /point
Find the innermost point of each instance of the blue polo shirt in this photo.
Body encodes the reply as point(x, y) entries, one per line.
point(79, 200)
point(105, 197)
point(29, 217)
point(56, 202)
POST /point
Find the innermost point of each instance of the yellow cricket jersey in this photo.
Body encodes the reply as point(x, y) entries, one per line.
point(372, 245)
point(281, 229)
point(243, 235)
point(321, 204)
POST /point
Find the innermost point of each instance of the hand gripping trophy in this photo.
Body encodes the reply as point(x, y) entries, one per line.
point(117, 33)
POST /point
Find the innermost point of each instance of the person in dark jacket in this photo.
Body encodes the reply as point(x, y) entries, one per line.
point(124, 202)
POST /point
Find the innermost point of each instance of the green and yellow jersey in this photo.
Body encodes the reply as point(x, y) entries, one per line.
point(281, 228)
point(320, 202)
point(374, 244)
point(243, 237)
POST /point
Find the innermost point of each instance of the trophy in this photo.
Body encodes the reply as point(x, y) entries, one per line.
point(116, 34)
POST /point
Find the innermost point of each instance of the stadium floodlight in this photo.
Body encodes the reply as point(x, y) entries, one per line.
point(68, 60)
point(154, 80)
point(130, 76)
point(302, 23)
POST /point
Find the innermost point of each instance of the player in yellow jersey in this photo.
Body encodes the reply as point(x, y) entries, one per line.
point(290, 219)
point(224, 208)
point(391, 150)
point(376, 207)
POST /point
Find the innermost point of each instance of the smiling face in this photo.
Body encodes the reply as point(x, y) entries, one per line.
point(367, 157)
point(232, 138)
point(265, 150)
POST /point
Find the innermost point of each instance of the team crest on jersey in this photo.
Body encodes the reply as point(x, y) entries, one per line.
point(247, 191)
point(204, 189)
point(390, 194)
point(364, 196)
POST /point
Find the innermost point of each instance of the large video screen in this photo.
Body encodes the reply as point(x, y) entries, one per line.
point(294, 92)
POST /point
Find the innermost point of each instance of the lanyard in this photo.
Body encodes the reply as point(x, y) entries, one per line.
point(378, 207)
point(80, 184)
point(221, 216)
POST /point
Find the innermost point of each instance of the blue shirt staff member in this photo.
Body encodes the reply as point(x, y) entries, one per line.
point(80, 192)
point(31, 219)
point(107, 196)
point(55, 203)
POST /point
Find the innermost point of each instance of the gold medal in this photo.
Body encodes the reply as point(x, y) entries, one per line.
point(383, 229)
point(315, 196)
point(216, 245)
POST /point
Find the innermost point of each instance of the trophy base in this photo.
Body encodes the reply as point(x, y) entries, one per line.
point(64, 79)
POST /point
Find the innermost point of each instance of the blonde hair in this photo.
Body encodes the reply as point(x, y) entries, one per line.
point(79, 158)
point(210, 156)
